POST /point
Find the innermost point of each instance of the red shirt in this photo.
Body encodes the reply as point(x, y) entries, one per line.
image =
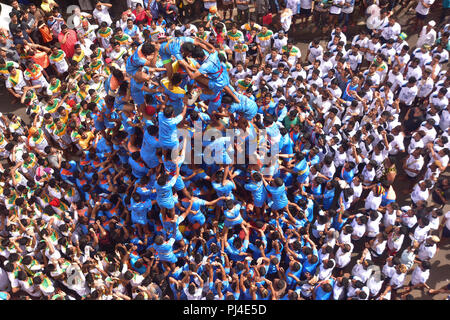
point(142, 16)
point(68, 46)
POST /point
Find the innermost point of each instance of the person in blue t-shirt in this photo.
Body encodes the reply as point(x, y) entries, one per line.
point(323, 290)
point(235, 247)
point(277, 193)
point(168, 122)
point(180, 47)
point(139, 210)
point(349, 94)
point(232, 215)
point(212, 75)
point(138, 167)
point(246, 106)
point(164, 251)
point(150, 144)
point(347, 172)
point(223, 188)
point(145, 55)
point(259, 193)
point(164, 193)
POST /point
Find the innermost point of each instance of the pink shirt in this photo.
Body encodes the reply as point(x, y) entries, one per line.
point(68, 46)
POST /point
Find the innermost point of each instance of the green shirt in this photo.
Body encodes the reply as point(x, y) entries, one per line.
point(288, 123)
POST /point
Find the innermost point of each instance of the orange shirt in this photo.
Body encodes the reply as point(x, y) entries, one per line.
point(41, 58)
point(46, 33)
point(114, 83)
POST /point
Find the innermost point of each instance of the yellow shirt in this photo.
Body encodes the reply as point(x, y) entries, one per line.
point(48, 5)
point(84, 143)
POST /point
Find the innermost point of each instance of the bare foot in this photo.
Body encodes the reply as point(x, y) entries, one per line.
point(432, 291)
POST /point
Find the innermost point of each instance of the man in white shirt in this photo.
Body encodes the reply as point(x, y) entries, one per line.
point(414, 163)
point(419, 277)
point(439, 99)
point(422, 10)
point(372, 48)
point(408, 93)
point(362, 268)
point(421, 191)
point(101, 13)
point(189, 29)
point(315, 51)
point(344, 255)
point(427, 35)
point(425, 86)
point(428, 248)
point(421, 231)
point(192, 291)
point(398, 278)
point(391, 30)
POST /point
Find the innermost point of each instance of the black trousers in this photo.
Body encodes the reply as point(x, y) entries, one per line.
point(243, 15)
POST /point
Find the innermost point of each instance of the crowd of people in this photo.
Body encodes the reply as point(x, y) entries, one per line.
point(102, 197)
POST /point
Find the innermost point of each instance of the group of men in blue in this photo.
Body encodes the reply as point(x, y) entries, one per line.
point(184, 65)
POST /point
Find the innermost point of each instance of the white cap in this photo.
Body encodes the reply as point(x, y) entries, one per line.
point(432, 23)
point(405, 208)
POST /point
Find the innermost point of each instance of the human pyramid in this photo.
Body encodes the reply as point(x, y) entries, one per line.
point(167, 160)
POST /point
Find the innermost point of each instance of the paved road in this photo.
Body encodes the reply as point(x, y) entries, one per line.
point(440, 271)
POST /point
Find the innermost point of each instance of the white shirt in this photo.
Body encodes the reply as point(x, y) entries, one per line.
point(389, 218)
point(396, 80)
point(414, 72)
point(397, 280)
point(421, 9)
point(426, 253)
point(359, 271)
point(19, 85)
point(102, 15)
point(314, 53)
point(374, 285)
point(306, 4)
point(353, 59)
point(345, 238)
point(342, 259)
point(188, 32)
point(419, 276)
point(373, 13)
point(447, 220)
point(419, 195)
point(338, 292)
point(4, 281)
point(373, 202)
point(325, 274)
point(388, 271)
point(395, 244)
point(391, 32)
point(415, 164)
point(407, 94)
point(425, 87)
point(420, 234)
point(444, 121)
point(373, 226)
point(372, 47)
point(334, 9)
point(379, 247)
point(197, 294)
point(426, 37)
point(358, 229)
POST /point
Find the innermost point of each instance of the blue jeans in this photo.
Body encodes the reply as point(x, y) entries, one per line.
point(345, 17)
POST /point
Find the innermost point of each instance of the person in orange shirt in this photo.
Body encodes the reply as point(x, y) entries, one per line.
point(46, 33)
point(39, 54)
